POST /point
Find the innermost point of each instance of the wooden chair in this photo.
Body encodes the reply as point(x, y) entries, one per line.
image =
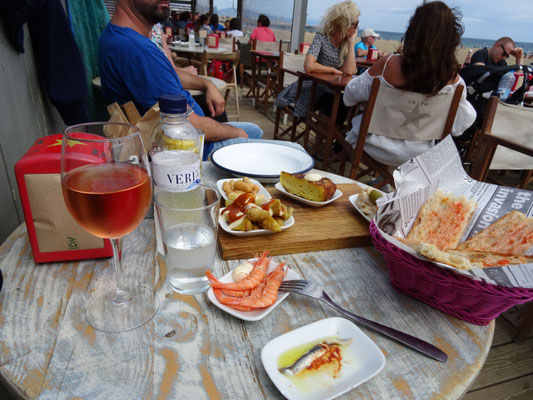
point(289, 65)
point(266, 69)
point(231, 83)
point(245, 67)
point(384, 114)
point(504, 141)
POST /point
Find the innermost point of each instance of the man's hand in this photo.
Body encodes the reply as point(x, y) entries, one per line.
point(518, 53)
point(238, 132)
point(215, 101)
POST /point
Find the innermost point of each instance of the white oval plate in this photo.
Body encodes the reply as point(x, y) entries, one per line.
point(258, 314)
point(361, 360)
point(311, 203)
point(353, 200)
point(257, 232)
point(262, 161)
point(262, 189)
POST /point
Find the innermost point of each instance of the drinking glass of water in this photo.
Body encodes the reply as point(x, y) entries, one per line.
point(188, 225)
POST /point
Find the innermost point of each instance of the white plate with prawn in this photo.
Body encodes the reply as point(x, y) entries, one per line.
point(358, 359)
point(259, 313)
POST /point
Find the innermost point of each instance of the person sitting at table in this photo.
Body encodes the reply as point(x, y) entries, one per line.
point(496, 55)
point(190, 25)
point(185, 19)
point(214, 24)
point(132, 68)
point(262, 33)
point(332, 51)
point(234, 28)
point(368, 37)
point(201, 24)
point(437, 30)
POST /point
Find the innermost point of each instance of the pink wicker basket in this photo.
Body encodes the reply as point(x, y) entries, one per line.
point(450, 292)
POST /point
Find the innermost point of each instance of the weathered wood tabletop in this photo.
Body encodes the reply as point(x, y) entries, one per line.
point(193, 350)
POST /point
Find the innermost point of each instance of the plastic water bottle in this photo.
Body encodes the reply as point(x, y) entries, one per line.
point(191, 40)
point(176, 149)
point(505, 85)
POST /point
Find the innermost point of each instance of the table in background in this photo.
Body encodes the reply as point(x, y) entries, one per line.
point(191, 349)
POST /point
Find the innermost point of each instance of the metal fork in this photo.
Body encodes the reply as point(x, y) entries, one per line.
point(316, 291)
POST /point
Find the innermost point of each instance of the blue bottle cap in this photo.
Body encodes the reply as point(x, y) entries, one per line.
point(173, 104)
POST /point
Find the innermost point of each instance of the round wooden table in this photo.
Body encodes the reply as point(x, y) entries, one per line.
point(193, 350)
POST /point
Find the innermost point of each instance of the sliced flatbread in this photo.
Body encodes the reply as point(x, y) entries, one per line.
point(442, 220)
point(512, 234)
point(469, 259)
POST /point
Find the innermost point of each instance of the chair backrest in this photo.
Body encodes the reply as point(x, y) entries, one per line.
point(400, 114)
point(291, 63)
point(266, 46)
point(245, 55)
point(228, 43)
point(505, 140)
point(207, 57)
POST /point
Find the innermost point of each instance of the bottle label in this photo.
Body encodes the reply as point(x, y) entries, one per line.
point(176, 171)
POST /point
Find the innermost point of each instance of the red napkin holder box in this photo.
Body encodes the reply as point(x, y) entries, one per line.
point(372, 55)
point(304, 47)
point(53, 233)
point(212, 41)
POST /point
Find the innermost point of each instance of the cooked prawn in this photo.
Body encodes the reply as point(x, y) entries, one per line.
point(270, 292)
point(234, 293)
point(251, 281)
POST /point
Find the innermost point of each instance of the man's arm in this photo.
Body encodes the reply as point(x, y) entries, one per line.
point(215, 131)
point(214, 99)
point(518, 53)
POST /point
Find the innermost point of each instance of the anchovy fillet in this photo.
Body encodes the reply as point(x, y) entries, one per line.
point(311, 355)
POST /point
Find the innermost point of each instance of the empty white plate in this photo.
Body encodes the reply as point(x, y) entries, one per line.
point(262, 161)
point(361, 360)
point(311, 203)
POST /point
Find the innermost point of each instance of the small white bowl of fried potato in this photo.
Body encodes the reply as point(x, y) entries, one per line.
point(231, 188)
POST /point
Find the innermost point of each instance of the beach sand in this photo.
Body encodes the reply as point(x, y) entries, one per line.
point(390, 46)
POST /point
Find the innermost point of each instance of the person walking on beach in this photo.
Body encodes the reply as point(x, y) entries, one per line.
point(368, 37)
point(437, 30)
point(498, 53)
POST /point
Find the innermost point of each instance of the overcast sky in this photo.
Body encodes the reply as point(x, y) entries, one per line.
point(483, 19)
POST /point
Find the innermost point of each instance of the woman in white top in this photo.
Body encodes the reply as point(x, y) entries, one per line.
point(427, 65)
point(234, 28)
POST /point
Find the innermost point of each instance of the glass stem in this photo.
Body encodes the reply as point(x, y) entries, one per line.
point(122, 296)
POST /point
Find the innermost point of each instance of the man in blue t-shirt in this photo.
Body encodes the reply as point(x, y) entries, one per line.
point(133, 68)
point(368, 37)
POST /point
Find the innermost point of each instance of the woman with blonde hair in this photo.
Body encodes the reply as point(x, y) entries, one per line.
point(332, 51)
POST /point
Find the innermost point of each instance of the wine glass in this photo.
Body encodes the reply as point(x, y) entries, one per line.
point(107, 188)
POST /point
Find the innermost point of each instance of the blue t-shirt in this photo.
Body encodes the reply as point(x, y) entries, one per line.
point(362, 46)
point(133, 68)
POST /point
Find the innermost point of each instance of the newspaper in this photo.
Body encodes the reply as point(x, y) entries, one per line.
point(441, 167)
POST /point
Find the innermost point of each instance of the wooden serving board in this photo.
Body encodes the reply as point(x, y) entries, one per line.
point(335, 226)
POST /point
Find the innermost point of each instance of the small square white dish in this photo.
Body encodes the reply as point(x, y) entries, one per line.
point(262, 189)
point(311, 203)
point(361, 360)
point(254, 315)
point(353, 199)
point(257, 232)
